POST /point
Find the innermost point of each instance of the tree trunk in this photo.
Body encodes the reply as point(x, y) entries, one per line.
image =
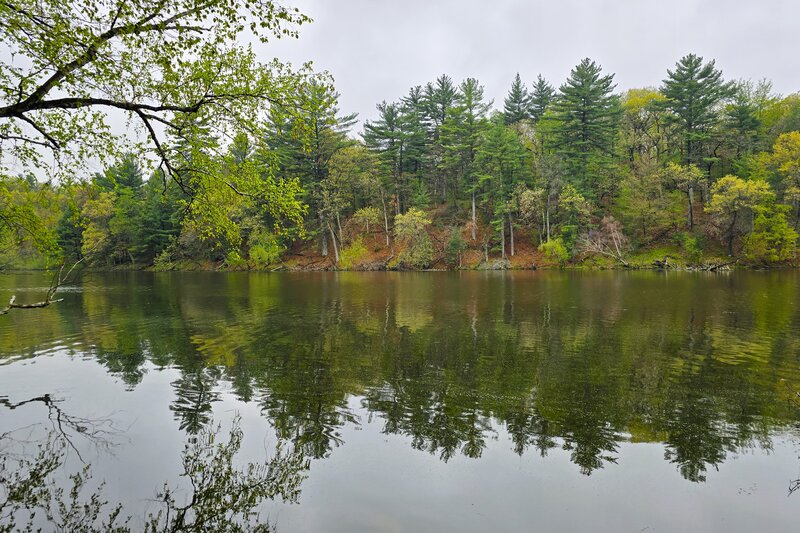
point(690, 196)
point(323, 237)
point(731, 231)
point(339, 225)
point(473, 215)
point(542, 229)
point(385, 219)
point(335, 247)
point(547, 215)
point(503, 238)
point(511, 231)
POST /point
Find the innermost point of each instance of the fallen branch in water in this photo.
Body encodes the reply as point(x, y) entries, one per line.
point(715, 267)
point(59, 278)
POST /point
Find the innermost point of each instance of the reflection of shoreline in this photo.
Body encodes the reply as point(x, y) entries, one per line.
point(575, 361)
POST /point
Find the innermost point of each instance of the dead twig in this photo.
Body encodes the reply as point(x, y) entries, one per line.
point(59, 278)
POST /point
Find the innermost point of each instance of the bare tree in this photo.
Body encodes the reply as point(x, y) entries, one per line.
point(607, 240)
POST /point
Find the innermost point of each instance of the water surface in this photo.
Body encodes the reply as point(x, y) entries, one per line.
point(515, 401)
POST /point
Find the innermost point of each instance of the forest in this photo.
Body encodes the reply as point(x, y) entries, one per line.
point(698, 172)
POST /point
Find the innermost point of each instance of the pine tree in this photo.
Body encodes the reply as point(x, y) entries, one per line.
point(502, 165)
point(517, 104)
point(541, 97)
point(460, 137)
point(587, 114)
point(385, 137)
point(742, 119)
point(414, 125)
point(438, 98)
point(306, 156)
point(693, 94)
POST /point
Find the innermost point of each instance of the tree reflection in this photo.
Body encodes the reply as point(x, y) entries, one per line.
point(572, 361)
point(215, 495)
point(195, 391)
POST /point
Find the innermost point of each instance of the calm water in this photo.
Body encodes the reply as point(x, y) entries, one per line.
point(439, 401)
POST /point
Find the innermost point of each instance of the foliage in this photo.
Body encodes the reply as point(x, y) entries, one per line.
point(692, 93)
point(587, 115)
point(411, 231)
point(517, 104)
point(71, 67)
point(455, 248)
point(353, 254)
point(772, 240)
point(555, 250)
point(541, 97)
point(265, 248)
point(21, 219)
point(366, 216)
point(255, 159)
point(691, 244)
point(733, 205)
point(171, 70)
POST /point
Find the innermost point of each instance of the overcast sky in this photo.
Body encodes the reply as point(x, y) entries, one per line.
point(377, 49)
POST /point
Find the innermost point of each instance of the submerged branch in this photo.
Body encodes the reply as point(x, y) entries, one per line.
point(59, 278)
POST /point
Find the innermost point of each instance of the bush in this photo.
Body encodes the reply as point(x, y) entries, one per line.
point(410, 229)
point(420, 255)
point(265, 248)
point(455, 247)
point(555, 250)
point(772, 239)
point(691, 244)
point(353, 255)
point(234, 261)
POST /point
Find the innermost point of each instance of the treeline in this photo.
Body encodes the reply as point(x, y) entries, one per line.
point(697, 168)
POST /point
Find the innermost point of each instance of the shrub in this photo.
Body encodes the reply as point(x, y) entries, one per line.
point(265, 248)
point(692, 246)
point(555, 250)
point(455, 247)
point(352, 255)
point(410, 229)
point(234, 261)
point(772, 239)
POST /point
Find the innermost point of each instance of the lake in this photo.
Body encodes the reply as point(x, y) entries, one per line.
point(433, 401)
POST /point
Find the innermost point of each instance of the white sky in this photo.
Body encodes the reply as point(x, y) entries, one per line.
point(377, 49)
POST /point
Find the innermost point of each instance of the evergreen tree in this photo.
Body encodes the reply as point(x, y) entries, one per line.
point(502, 165)
point(693, 94)
point(540, 98)
point(517, 104)
point(413, 124)
point(587, 113)
point(742, 118)
point(438, 98)
point(305, 145)
point(460, 137)
point(161, 215)
point(385, 137)
point(125, 173)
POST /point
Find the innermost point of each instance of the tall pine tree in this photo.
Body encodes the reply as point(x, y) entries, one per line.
point(460, 137)
point(540, 97)
point(694, 92)
point(587, 113)
point(517, 104)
